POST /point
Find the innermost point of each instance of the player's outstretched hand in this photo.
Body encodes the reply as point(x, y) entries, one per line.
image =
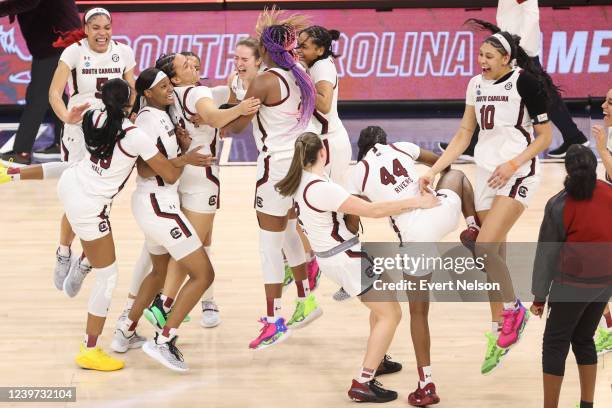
point(428, 200)
point(501, 175)
point(195, 158)
point(75, 114)
point(249, 106)
point(182, 137)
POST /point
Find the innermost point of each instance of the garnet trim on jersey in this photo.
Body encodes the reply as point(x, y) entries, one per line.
point(326, 146)
point(184, 105)
point(263, 178)
point(171, 216)
point(365, 175)
point(519, 126)
point(394, 147)
point(104, 216)
point(324, 122)
point(215, 180)
point(74, 81)
point(306, 200)
point(396, 229)
point(65, 151)
point(286, 85)
point(264, 134)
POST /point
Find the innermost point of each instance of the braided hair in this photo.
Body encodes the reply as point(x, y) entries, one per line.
point(581, 167)
point(166, 63)
point(100, 142)
point(517, 52)
point(368, 138)
point(322, 37)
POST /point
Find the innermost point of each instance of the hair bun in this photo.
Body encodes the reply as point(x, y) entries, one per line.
point(334, 34)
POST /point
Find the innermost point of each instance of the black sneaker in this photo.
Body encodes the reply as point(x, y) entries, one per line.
point(12, 159)
point(372, 391)
point(467, 156)
point(387, 366)
point(559, 152)
point(52, 152)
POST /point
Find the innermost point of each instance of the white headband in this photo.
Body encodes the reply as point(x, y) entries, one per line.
point(504, 43)
point(97, 10)
point(158, 78)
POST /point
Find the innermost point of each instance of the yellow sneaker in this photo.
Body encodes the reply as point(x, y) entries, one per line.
point(4, 177)
point(97, 359)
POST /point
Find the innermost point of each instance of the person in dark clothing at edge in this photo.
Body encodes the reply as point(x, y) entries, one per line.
point(522, 17)
point(573, 269)
point(40, 21)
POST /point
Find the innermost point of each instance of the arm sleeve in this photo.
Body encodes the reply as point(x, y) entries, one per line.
point(533, 96)
point(195, 95)
point(130, 60)
point(324, 70)
point(354, 178)
point(70, 56)
point(470, 93)
point(409, 148)
point(137, 143)
point(550, 241)
point(327, 196)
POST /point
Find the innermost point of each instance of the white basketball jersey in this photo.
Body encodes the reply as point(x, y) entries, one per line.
point(184, 109)
point(505, 125)
point(316, 203)
point(107, 177)
point(238, 88)
point(90, 70)
point(521, 18)
point(387, 173)
point(325, 123)
point(275, 126)
point(157, 126)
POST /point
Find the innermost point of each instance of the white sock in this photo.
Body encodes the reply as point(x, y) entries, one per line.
point(424, 376)
point(129, 303)
point(161, 338)
point(85, 261)
point(64, 250)
point(365, 375)
point(471, 222)
point(511, 305)
point(125, 327)
point(306, 286)
point(495, 328)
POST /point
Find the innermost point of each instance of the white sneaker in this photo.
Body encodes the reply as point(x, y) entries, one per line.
point(166, 353)
point(76, 276)
point(62, 267)
point(122, 317)
point(210, 314)
point(121, 344)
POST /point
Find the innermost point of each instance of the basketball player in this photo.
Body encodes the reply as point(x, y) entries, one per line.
point(321, 205)
point(509, 104)
point(387, 172)
point(288, 100)
point(199, 189)
point(156, 207)
point(87, 189)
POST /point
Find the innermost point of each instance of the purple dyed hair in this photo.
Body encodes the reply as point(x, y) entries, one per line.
point(280, 42)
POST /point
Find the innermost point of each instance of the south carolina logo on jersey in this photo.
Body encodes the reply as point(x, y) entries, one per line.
point(522, 191)
point(212, 201)
point(176, 233)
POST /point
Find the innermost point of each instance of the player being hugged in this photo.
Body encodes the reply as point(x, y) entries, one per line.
point(87, 189)
point(321, 206)
point(509, 101)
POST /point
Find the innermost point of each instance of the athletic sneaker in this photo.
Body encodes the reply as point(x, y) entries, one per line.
point(314, 273)
point(341, 295)
point(559, 152)
point(513, 326)
point(288, 277)
point(166, 353)
point(76, 276)
point(371, 391)
point(387, 366)
point(16, 159)
point(494, 355)
point(467, 156)
point(62, 267)
point(122, 317)
point(155, 313)
point(96, 359)
point(51, 152)
point(210, 314)
point(603, 341)
point(306, 311)
point(270, 334)
point(121, 343)
point(4, 177)
point(424, 396)
point(468, 238)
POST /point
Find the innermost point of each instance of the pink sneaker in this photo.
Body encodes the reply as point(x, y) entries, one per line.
point(468, 238)
point(270, 334)
point(314, 273)
point(513, 326)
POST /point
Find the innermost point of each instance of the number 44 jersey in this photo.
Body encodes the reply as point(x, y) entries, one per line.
point(90, 70)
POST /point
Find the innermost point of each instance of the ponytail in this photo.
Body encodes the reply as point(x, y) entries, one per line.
point(368, 138)
point(581, 167)
point(100, 141)
point(518, 53)
point(307, 147)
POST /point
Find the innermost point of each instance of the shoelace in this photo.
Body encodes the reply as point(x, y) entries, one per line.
point(299, 310)
point(509, 317)
point(174, 350)
point(265, 324)
point(491, 346)
point(376, 383)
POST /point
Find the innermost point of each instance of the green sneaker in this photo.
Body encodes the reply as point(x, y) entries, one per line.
point(157, 317)
point(494, 355)
point(288, 276)
point(306, 311)
point(603, 341)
